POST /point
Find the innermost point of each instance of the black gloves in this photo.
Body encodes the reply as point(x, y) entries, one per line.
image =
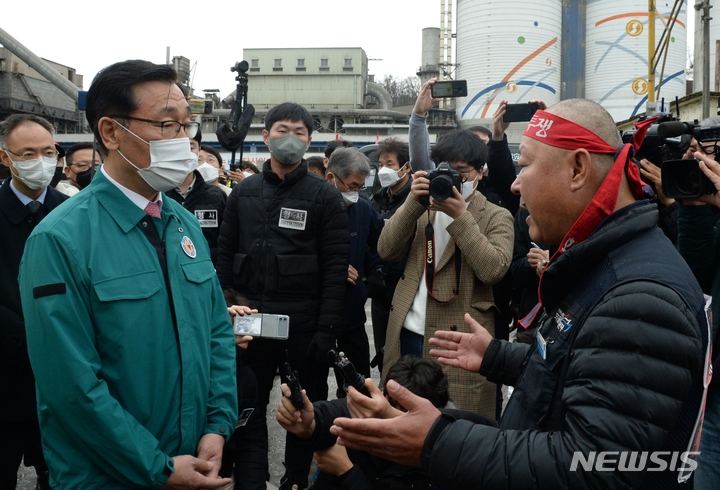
point(324, 340)
point(375, 284)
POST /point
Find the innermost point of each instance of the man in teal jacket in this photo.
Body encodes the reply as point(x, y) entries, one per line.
point(128, 334)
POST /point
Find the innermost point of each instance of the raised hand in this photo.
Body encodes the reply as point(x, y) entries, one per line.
point(463, 350)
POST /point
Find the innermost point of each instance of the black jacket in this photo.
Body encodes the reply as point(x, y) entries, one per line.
point(524, 277)
point(368, 472)
point(365, 226)
point(501, 175)
point(17, 384)
point(386, 204)
point(284, 245)
point(207, 203)
point(623, 369)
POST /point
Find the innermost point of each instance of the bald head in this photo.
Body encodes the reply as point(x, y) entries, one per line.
point(590, 115)
point(594, 117)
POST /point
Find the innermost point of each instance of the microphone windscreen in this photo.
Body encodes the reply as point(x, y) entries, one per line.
point(671, 128)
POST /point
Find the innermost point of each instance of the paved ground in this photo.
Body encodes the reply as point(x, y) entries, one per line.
point(276, 434)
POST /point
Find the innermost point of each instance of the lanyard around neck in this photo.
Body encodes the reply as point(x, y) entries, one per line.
point(430, 263)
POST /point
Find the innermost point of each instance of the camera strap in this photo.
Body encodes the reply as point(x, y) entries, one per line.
point(430, 263)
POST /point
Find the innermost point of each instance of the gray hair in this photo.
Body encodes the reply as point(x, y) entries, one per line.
point(11, 122)
point(347, 161)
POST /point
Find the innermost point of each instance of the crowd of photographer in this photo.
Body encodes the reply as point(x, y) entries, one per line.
point(120, 301)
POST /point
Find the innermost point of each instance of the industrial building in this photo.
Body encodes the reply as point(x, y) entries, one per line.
point(23, 89)
point(514, 50)
point(332, 83)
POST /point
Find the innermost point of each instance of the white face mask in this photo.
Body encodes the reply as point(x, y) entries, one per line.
point(170, 162)
point(248, 174)
point(208, 172)
point(388, 177)
point(37, 173)
point(351, 197)
point(468, 188)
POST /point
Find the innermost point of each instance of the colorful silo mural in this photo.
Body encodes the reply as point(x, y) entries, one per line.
point(616, 63)
point(507, 50)
point(513, 50)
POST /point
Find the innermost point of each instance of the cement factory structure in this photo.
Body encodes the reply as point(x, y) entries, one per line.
point(514, 50)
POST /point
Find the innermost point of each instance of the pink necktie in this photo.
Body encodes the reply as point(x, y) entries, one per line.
point(153, 209)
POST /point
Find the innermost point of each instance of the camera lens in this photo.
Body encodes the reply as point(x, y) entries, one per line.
point(688, 182)
point(441, 187)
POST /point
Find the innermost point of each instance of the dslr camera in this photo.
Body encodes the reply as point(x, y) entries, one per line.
point(442, 180)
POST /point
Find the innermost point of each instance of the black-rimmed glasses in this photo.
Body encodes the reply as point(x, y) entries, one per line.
point(168, 129)
point(352, 189)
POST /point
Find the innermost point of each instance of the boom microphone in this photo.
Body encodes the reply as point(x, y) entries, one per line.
point(671, 129)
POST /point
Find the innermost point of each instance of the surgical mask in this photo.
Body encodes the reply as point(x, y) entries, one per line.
point(389, 177)
point(208, 172)
point(37, 173)
point(248, 174)
point(468, 188)
point(170, 162)
point(287, 150)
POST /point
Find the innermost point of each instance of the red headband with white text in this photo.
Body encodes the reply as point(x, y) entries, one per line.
point(559, 132)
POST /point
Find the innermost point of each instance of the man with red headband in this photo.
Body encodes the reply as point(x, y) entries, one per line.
point(609, 395)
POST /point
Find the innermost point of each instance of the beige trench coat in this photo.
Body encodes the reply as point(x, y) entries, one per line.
point(484, 236)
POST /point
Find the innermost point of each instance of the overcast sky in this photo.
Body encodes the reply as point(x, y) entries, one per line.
point(88, 35)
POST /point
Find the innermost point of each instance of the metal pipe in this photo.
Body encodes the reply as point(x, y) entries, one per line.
point(651, 56)
point(39, 65)
point(379, 92)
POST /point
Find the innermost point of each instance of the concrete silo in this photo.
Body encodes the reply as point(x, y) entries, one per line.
point(616, 64)
point(430, 54)
point(506, 49)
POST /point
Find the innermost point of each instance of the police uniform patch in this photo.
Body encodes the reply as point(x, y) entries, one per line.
point(292, 219)
point(208, 218)
point(188, 247)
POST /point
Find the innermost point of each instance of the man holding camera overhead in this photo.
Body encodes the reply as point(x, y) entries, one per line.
point(457, 246)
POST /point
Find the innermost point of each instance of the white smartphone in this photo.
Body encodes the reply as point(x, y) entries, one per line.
point(263, 325)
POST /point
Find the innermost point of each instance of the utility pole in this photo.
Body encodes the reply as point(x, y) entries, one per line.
point(705, 6)
point(651, 106)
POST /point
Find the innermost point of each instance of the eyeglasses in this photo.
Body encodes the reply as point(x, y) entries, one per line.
point(168, 129)
point(709, 148)
point(466, 175)
point(31, 155)
point(352, 189)
point(84, 165)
